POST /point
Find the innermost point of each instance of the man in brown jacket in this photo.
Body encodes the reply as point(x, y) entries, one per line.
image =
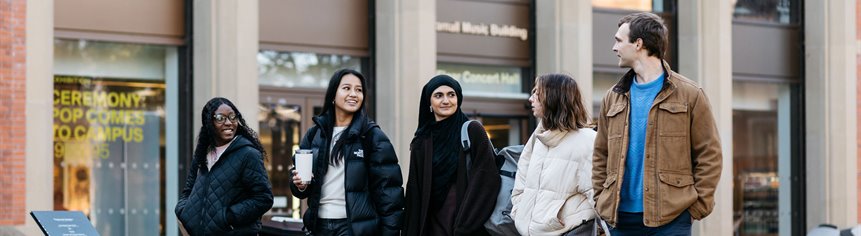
point(657, 157)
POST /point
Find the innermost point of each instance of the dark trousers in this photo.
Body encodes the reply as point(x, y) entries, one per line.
point(632, 224)
point(340, 227)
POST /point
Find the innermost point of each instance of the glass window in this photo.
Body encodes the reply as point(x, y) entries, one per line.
point(778, 11)
point(301, 69)
point(280, 128)
point(633, 5)
point(485, 80)
point(761, 161)
point(601, 83)
point(109, 130)
point(505, 131)
point(285, 115)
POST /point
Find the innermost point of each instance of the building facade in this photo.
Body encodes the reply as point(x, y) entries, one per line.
point(118, 92)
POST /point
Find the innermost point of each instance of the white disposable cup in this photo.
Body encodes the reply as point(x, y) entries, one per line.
point(304, 164)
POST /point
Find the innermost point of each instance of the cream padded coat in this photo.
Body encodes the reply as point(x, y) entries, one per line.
point(553, 188)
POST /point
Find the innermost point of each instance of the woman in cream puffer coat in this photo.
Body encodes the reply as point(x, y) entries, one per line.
point(552, 192)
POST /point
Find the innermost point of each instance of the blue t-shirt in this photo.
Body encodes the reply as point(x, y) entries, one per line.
point(642, 97)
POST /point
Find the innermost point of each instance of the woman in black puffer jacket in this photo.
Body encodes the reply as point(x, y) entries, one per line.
point(227, 189)
point(356, 184)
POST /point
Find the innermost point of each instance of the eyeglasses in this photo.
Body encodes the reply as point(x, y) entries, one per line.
point(219, 118)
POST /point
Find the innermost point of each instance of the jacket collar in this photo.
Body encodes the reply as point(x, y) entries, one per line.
point(624, 84)
point(551, 138)
point(237, 143)
point(357, 126)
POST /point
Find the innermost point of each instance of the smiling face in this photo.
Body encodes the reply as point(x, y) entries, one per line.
point(444, 102)
point(225, 127)
point(624, 48)
point(535, 102)
point(349, 96)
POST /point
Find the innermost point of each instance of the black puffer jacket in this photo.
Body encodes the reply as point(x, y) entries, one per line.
point(373, 184)
point(230, 199)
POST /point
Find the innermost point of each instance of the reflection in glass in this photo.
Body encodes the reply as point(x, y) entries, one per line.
point(634, 5)
point(109, 132)
point(108, 152)
point(777, 11)
point(279, 134)
point(759, 165)
point(301, 69)
point(601, 83)
point(109, 60)
point(504, 131)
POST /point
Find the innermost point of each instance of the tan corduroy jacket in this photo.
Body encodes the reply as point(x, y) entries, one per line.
point(682, 162)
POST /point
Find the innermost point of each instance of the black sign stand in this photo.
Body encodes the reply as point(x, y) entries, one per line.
point(64, 223)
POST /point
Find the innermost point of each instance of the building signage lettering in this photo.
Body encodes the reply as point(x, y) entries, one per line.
point(497, 78)
point(465, 27)
point(84, 111)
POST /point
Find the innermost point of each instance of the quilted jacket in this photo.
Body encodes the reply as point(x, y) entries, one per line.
point(230, 198)
point(373, 184)
point(553, 188)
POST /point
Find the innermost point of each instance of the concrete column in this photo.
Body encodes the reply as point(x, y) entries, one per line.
point(564, 42)
point(705, 56)
point(225, 55)
point(40, 83)
point(406, 59)
point(830, 105)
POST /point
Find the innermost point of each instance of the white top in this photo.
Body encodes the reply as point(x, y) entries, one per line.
point(332, 201)
point(553, 188)
point(213, 156)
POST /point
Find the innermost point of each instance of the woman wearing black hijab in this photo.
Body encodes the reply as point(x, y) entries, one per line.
point(443, 196)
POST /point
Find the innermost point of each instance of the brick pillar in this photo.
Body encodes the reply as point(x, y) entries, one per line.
point(12, 114)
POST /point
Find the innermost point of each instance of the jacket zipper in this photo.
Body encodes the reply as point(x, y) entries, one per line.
point(621, 168)
point(656, 192)
point(346, 200)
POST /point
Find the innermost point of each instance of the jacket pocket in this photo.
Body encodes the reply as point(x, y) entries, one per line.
point(611, 178)
point(607, 198)
point(222, 221)
point(616, 127)
point(673, 119)
point(616, 109)
point(551, 216)
point(677, 194)
point(614, 152)
point(674, 137)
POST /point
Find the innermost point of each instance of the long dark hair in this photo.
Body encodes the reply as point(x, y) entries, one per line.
point(328, 113)
point(206, 136)
point(560, 96)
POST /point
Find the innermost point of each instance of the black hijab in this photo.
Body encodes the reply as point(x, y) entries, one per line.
point(445, 135)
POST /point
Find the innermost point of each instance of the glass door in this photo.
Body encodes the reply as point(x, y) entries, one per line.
point(284, 117)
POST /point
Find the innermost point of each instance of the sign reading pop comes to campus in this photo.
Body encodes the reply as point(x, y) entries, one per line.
point(99, 111)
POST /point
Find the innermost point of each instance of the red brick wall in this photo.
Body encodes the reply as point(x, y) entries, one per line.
point(12, 116)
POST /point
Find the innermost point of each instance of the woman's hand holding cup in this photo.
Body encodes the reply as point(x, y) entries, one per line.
point(302, 173)
point(297, 180)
